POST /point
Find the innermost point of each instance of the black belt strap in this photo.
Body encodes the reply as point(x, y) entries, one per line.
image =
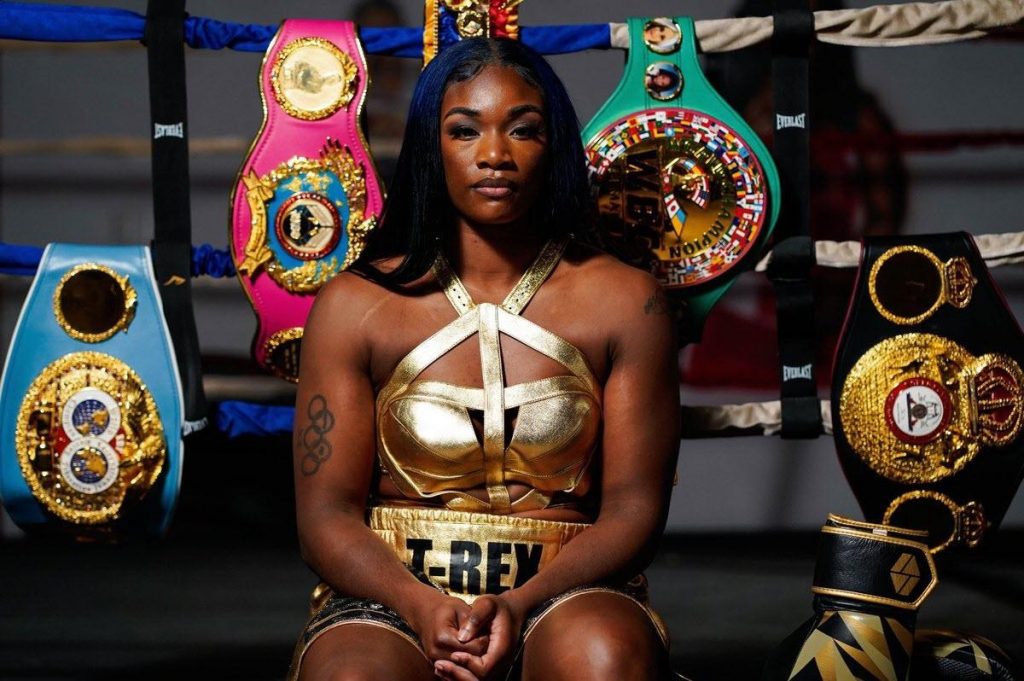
point(172, 238)
point(793, 257)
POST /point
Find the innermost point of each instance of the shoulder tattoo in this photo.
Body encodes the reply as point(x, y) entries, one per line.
point(657, 304)
point(315, 447)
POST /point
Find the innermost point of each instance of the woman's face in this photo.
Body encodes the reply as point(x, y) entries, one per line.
point(493, 145)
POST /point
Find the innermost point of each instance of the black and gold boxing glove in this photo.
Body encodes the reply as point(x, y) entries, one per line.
point(868, 584)
point(946, 655)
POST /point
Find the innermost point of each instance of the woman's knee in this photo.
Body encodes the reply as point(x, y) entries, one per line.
point(358, 653)
point(604, 639)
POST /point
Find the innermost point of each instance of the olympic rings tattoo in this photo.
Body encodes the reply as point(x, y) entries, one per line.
point(317, 448)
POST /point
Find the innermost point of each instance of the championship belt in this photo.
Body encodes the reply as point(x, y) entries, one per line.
point(446, 22)
point(683, 187)
point(307, 194)
point(91, 408)
point(927, 400)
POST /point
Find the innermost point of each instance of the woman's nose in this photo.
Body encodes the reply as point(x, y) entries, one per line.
point(493, 151)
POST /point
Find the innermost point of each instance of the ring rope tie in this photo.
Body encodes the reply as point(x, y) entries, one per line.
point(901, 25)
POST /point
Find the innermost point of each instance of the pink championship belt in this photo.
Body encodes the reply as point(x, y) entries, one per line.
point(307, 194)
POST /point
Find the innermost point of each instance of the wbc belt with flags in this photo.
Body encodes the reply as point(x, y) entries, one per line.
point(681, 184)
point(928, 390)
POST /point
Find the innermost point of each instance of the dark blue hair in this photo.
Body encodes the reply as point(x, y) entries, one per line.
point(418, 209)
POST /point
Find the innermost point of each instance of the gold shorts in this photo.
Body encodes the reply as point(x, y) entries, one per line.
point(463, 555)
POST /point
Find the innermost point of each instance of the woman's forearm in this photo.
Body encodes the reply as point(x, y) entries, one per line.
point(615, 548)
point(350, 558)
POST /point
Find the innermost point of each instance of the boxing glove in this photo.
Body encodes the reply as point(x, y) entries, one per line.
point(945, 655)
point(869, 582)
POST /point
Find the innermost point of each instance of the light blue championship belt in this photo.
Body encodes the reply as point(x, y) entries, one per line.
point(91, 407)
point(681, 184)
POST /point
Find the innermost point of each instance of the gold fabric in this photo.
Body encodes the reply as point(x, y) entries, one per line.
point(426, 439)
point(469, 554)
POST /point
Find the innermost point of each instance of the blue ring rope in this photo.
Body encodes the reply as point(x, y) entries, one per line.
point(207, 261)
point(64, 23)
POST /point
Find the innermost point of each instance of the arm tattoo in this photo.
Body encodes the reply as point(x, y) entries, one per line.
point(315, 447)
point(657, 304)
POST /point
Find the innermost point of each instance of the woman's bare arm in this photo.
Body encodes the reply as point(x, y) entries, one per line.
point(334, 458)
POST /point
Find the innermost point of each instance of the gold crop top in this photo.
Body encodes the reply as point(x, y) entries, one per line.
point(426, 440)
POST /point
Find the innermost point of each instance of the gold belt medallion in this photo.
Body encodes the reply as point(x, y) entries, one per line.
point(93, 302)
point(312, 78)
point(678, 192)
point(917, 408)
point(907, 284)
point(965, 524)
point(89, 438)
point(308, 219)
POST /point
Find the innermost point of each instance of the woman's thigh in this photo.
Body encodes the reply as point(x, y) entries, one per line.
point(598, 636)
point(364, 652)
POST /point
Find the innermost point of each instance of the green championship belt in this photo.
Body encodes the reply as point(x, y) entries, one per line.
point(683, 186)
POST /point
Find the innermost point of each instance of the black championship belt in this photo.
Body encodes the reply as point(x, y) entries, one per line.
point(927, 390)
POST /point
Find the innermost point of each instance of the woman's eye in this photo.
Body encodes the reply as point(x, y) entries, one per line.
point(461, 132)
point(526, 131)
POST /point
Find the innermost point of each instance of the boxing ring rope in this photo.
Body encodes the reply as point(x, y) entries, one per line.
point(908, 24)
point(126, 145)
point(996, 250)
point(902, 25)
point(749, 418)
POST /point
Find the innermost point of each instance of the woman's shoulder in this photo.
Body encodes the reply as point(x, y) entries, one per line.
point(607, 277)
point(359, 297)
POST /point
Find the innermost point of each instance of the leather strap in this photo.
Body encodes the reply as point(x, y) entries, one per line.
point(172, 220)
point(520, 295)
point(794, 294)
point(873, 564)
point(789, 272)
point(494, 409)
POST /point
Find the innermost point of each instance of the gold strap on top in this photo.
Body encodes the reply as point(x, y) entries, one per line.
point(535, 275)
point(489, 321)
point(494, 409)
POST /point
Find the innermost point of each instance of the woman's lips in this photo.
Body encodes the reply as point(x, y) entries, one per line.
point(495, 188)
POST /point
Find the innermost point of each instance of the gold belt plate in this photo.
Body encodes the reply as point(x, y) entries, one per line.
point(89, 438)
point(678, 193)
point(309, 195)
point(917, 408)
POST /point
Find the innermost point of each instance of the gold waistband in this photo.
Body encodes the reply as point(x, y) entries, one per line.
point(469, 554)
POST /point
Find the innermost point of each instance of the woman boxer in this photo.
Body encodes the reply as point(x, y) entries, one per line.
point(488, 401)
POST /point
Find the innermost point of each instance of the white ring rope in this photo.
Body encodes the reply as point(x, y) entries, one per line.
point(904, 25)
point(706, 421)
point(898, 25)
point(995, 249)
